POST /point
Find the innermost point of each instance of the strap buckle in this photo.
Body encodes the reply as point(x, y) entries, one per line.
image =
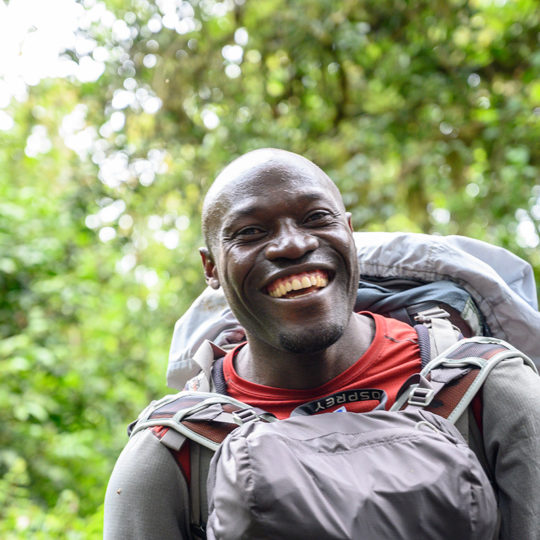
point(433, 313)
point(420, 396)
point(243, 416)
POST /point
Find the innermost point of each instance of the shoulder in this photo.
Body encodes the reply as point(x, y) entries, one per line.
point(390, 326)
point(511, 442)
point(394, 335)
point(145, 492)
point(511, 395)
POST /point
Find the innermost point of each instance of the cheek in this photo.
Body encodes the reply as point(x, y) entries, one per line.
point(235, 266)
point(347, 248)
point(353, 256)
point(343, 243)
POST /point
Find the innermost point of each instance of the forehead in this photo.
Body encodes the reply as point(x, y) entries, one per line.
point(264, 202)
point(263, 181)
point(270, 187)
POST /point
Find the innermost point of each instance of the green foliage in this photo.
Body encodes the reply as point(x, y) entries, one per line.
point(425, 113)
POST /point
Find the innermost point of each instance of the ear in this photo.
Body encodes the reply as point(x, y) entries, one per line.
point(210, 270)
point(348, 215)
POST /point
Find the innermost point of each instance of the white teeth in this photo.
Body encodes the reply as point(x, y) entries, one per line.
point(305, 281)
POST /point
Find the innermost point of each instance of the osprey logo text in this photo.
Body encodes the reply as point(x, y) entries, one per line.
point(342, 398)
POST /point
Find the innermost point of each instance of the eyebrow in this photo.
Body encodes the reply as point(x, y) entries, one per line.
point(247, 211)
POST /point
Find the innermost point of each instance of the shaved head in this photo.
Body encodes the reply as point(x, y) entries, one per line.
point(252, 167)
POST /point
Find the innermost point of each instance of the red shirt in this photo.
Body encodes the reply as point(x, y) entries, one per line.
point(391, 358)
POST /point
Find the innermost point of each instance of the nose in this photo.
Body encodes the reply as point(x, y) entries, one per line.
point(290, 242)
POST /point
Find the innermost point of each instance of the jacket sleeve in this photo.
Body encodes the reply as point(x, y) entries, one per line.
point(511, 433)
point(147, 495)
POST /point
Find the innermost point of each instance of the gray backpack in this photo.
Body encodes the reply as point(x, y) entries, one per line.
point(384, 474)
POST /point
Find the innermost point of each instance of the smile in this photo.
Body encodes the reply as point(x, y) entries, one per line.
point(298, 284)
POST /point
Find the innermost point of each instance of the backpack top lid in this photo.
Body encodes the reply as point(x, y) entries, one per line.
point(472, 263)
point(344, 475)
point(501, 284)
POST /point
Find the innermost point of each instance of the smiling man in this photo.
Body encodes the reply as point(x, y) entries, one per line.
point(279, 242)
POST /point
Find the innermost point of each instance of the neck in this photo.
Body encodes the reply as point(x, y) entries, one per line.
point(261, 363)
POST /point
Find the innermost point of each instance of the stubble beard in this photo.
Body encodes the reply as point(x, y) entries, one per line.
point(311, 340)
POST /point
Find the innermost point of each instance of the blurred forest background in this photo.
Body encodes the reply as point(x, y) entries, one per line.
point(425, 112)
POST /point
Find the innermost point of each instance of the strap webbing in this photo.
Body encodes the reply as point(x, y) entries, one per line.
point(424, 343)
point(220, 386)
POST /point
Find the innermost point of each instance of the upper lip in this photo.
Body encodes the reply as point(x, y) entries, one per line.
point(298, 269)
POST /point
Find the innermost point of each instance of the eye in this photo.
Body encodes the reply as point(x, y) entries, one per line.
point(318, 215)
point(249, 232)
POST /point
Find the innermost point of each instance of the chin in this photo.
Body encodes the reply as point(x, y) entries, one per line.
point(312, 340)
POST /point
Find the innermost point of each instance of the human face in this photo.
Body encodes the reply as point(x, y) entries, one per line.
point(285, 257)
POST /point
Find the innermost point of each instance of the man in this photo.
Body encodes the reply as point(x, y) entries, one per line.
point(279, 243)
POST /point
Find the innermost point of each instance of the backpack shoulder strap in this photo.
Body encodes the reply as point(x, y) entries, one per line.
point(435, 333)
point(448, 383)
point(203, 417)
point(218, 379)
point(453, 369)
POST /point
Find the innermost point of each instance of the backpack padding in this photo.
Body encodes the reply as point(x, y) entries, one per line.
point(403, 299)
